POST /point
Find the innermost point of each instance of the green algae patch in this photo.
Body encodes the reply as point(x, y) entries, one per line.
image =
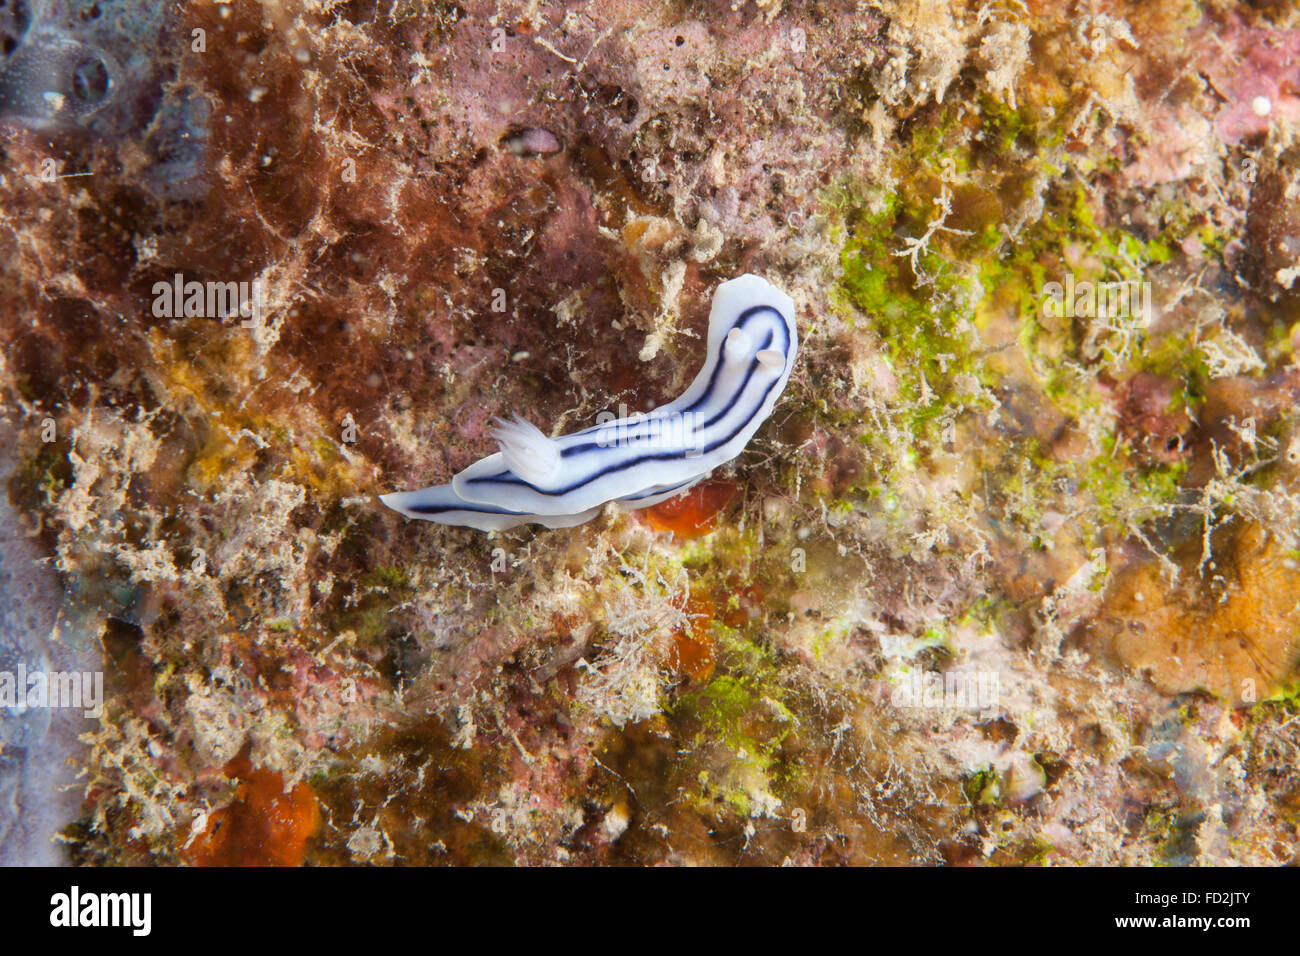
point(735, 711)
point(983, 789)
point(739, 725)
point(993, 285)
point(916, 307)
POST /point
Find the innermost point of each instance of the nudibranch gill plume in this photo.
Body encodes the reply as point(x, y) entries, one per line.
point(639, 460)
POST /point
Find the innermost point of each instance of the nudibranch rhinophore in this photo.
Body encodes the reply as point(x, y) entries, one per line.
point(640, 460)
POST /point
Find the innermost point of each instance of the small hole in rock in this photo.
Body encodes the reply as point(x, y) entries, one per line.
point(90, 81)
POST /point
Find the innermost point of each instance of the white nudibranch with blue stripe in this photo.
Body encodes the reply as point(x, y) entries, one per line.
point(640, 460)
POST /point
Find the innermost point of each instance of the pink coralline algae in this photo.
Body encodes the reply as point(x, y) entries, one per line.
point(1256, 71)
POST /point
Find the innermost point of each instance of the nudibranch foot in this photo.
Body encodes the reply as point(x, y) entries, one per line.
point(642, 459)
point(441, 504)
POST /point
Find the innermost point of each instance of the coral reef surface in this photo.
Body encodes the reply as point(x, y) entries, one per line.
point(1011, 575)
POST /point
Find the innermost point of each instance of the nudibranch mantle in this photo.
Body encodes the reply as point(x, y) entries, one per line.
point(640, 460)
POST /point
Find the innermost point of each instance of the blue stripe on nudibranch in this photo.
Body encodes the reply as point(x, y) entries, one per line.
point(638, 461)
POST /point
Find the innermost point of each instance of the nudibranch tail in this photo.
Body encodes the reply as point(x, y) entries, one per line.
point(642, 459)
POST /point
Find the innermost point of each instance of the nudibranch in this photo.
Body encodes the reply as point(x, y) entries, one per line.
point(639, 460)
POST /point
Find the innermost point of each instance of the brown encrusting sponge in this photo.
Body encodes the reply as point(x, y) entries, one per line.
point(1011, 574)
